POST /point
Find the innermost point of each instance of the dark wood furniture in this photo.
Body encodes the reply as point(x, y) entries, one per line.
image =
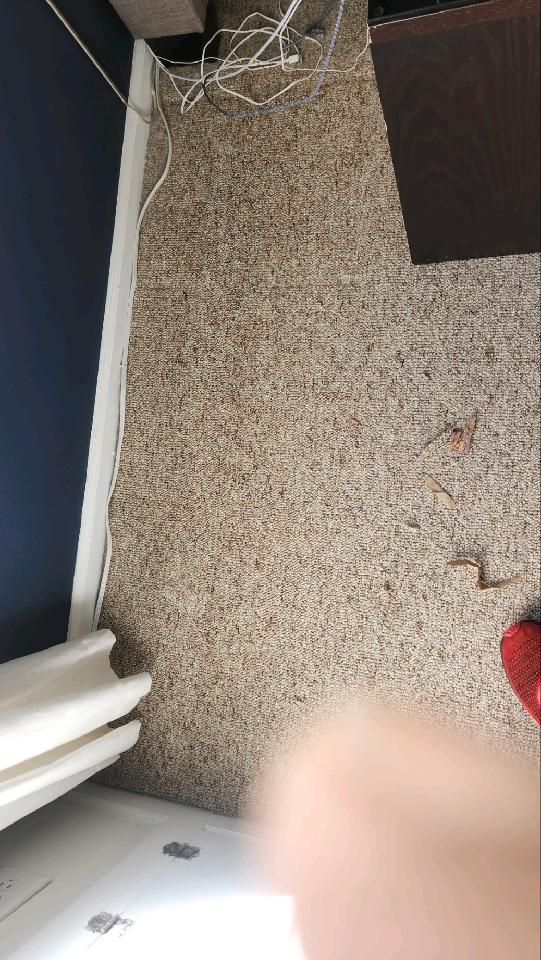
point(460, 94)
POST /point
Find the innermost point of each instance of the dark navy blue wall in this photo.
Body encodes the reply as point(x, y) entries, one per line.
point(61, 131)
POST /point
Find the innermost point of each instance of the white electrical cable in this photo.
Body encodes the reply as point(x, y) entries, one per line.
point(279, 93)
point(280, 27)
point(269, 33)
point(71, 30)
point(124, 361)
point(277, 31)
point(292, 104)
point(235, 64)
point(281, 61)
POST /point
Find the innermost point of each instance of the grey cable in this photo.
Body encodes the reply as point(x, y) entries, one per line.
point(92, 58)
point(293, 104)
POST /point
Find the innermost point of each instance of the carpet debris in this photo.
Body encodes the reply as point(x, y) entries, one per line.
point(482, 584)
point(181, 851)
point(389, 590)
point(103, 922)
point(461, 437)
point(440, 494)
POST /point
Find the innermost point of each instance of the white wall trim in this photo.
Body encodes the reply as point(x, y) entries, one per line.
point(101, 455)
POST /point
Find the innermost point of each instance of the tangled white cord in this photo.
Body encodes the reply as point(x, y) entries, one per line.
point(281, 47)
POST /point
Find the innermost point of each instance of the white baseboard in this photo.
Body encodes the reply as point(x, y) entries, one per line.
point(101, 456)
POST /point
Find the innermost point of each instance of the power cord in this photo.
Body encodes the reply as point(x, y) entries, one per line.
point(316, 28)
point(292, 104)
point(284, 48)
point(71, 30)
point(271, 33)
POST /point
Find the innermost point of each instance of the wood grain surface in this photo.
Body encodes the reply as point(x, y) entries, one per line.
point(460, 95)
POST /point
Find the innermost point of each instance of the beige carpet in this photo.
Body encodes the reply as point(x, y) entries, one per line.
point(274, 542)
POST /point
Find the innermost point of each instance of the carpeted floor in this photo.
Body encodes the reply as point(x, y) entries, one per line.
point(274, 543)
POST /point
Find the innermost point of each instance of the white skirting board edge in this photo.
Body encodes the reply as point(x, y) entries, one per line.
point(101, 454)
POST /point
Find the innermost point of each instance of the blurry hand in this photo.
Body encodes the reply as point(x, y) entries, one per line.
point(398, 839)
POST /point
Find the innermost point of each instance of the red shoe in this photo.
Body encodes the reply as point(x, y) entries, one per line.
point(521, 655)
